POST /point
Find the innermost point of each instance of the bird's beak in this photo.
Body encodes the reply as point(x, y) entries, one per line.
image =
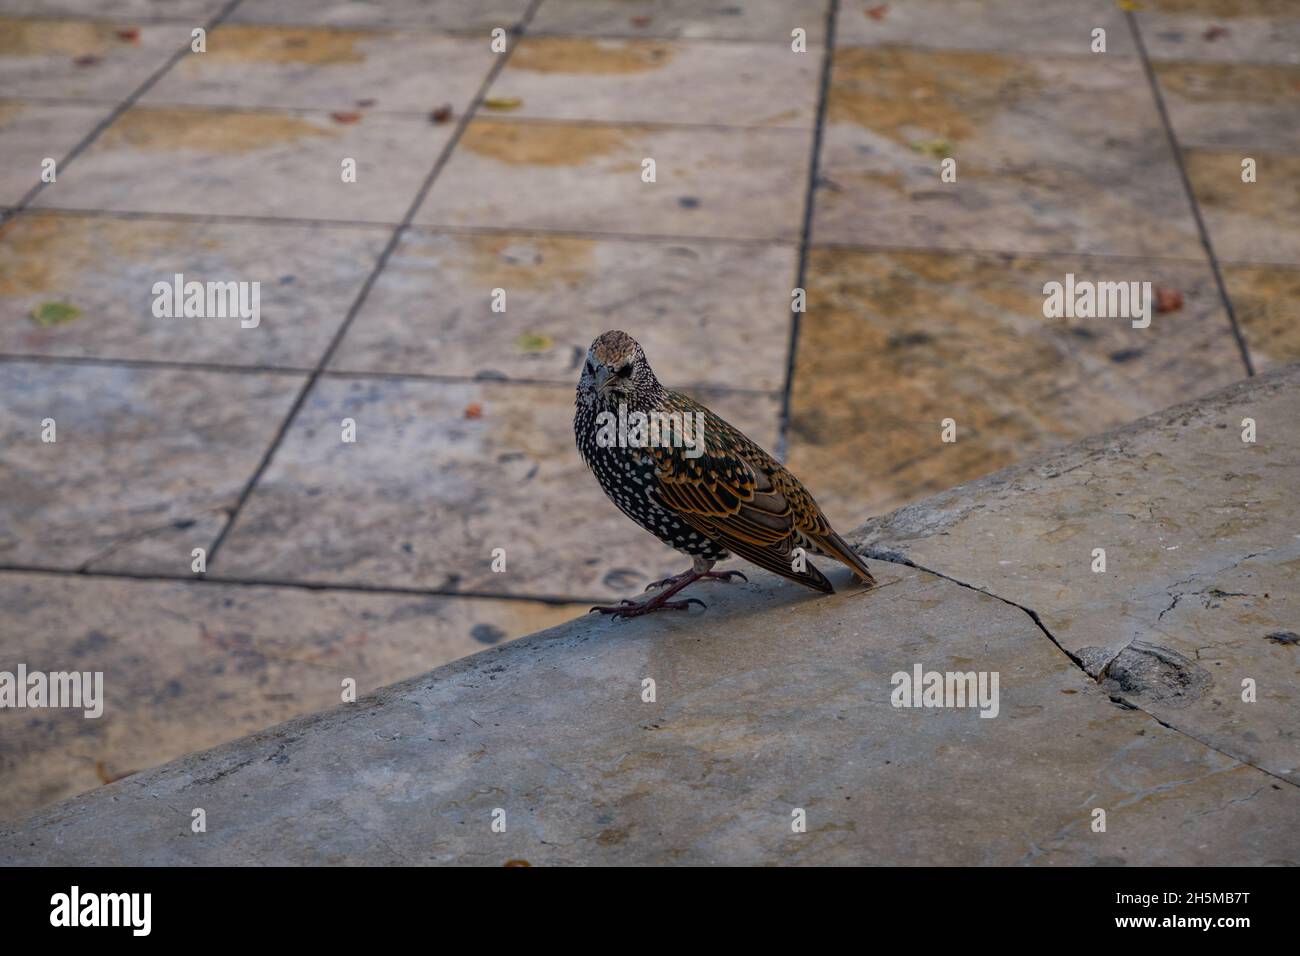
point(602, 376)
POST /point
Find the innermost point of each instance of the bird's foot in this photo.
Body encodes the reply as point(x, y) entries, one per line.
point(626, 608)
point(689, 576)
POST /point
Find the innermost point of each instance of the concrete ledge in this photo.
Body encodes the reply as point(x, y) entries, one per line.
point(776, 700)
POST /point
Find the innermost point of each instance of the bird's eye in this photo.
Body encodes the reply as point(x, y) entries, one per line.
point(625, 372)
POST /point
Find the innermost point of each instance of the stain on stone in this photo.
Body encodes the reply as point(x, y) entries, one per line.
point(1228, 83)
point(612, 836)
point(1154, 673)
point(206, 131)
point(1125, 355)
point(904, 339)
point(487, 633)
point(1267, 301)
point(283, 45)
point(41, 254)
point(1283, 638)
point(535, 262)
point(543, 144)
point(24, 37)
point(1216, 180)
point(908, 95)
point(579, 55)
point(620, 579)
point(93, 641)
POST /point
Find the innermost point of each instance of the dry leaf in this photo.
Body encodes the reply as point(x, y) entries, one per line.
point(346, 117)
point(441, 114)
point(129, 34)
point(534, 342)
point(54, 313)
point(878, 13)
point(503, 102)
point(474, 411)
point(938, 148)
point(1168, 300)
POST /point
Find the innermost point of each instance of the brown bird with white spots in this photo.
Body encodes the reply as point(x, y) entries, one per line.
point(707, 491)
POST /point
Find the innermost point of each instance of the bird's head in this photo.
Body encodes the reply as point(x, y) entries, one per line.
point(617, 371)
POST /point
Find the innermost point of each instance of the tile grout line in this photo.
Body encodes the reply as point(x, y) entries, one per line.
point(382, 375)
point(422, 116)
point(117, 110)
point(219, 219)
point(444, 156)
point(805, 238)
point(195, 579)
point(274, 222)
point(1179, 161)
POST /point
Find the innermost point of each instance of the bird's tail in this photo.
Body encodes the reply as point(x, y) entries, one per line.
point(837, 548)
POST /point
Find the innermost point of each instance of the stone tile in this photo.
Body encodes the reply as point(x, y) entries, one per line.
point(82, 59)
point(1202, 561)
point(471, 16)
point(1248, 222)
point(107, 268)
point(661, 81)
point(440, 475)
point(1242, 31)
point(894, 343)
point(553, 729)
point(190, 666)
point(687, 303)
point(1267, 303)
point(1022, 26)
point(727, 184)
point(328, 69)
point(193, 11)
point(1222, 105)
point(30, 132)
point(224, 162)
point(1014, 124)
point(770, 20)
point(145, 464)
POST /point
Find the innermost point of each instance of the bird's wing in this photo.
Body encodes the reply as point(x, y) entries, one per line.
point(734, 493)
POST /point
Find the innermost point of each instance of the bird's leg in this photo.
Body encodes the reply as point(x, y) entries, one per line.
point(676, 583)
point(696, 574)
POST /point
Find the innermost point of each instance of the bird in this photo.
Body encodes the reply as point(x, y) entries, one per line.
point(707, 490)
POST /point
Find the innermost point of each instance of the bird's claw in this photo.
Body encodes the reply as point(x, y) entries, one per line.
point(626, 608)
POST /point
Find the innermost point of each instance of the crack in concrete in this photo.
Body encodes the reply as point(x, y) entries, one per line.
point(896, 557)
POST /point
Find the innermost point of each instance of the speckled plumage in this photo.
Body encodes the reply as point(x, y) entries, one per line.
point(732, 499)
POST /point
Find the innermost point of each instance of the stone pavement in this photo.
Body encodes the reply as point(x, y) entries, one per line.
point(777, 701)
point(521, 171)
